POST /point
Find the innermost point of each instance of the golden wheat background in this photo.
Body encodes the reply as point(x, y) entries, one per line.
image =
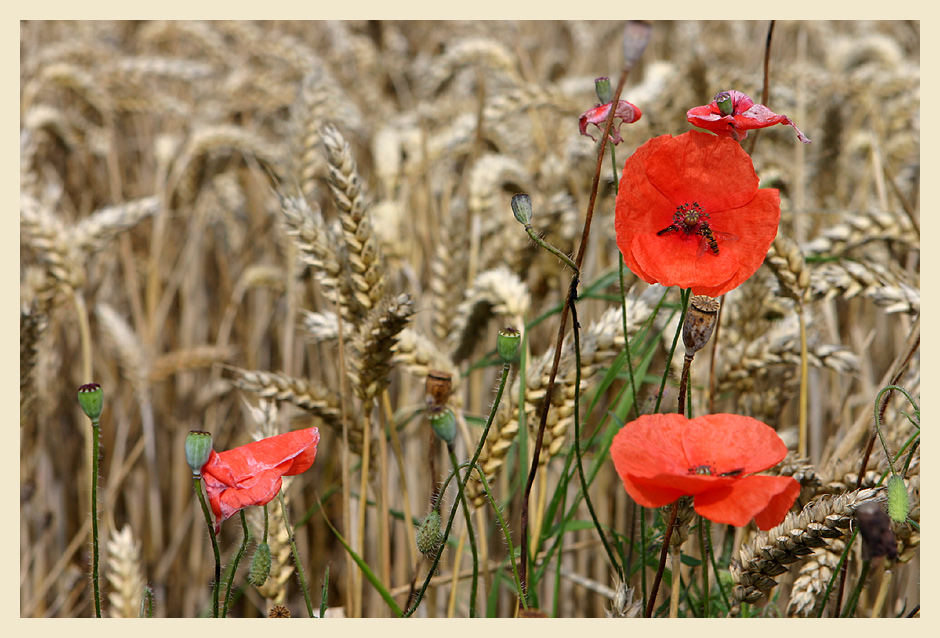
point(250, 227)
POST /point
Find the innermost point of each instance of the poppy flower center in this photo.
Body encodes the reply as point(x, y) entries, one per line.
point(689, 218)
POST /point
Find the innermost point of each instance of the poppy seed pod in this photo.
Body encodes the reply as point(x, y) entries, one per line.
point(699, 323)
point(444, 423)
point(91, 398)
point(602, 89)
point(507, 344)
point(198, 449)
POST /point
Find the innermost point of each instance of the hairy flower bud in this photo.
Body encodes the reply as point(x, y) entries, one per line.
point(91, 398)
point(260, 565)
point(428, 537)
point(898, 502)
point(198, 449)
point(699, 323)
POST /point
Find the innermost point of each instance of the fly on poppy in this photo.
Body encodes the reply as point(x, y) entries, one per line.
point(713, 458)
point(251, 474)
point(690, 213)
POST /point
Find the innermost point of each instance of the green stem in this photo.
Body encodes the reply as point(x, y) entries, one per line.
point(505, 529)
point(544, 244)
point(95, 429)
point(471, 537)
point(215, 546)
point(246, 536)
point(453, 511)
point(573, 294)
point(297, 564)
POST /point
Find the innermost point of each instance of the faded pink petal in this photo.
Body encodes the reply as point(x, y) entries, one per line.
point(627, 114)
point(744, 116)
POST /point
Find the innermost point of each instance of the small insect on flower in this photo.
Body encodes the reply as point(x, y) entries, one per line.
point(692, 220)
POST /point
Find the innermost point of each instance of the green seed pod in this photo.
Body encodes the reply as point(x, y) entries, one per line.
point(260, 565)
point(521, 208)
point(898, 503)
point(443, 422)
point(725, 103)
point(602, 88)
point(428, 536)
point(91, 398)
point(507, 344)
point(198, 449)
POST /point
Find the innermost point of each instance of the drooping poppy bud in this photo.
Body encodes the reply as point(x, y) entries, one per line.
point(91, 398)
point(898, 502)
point(521, 208)
point(428, 537)
point(260, 565)
point(198, 449)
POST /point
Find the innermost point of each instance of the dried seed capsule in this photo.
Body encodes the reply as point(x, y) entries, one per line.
point(699, 323)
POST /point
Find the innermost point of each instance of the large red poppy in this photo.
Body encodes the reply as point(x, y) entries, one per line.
point(661, 457)
point(690, 213)
point(251, 474)
point(732, 114)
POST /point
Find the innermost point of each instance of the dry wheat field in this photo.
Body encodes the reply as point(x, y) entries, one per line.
point(250, 229)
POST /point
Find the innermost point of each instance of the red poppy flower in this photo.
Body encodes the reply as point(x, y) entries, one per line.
point(732, 114)
point(251, 474)
point(626, 112)
point(661, 457)
point(689, 214)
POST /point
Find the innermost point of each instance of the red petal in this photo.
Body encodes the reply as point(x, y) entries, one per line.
point(650, 446)
point(715, 172)
point(737, 502)
point(677, 260)
point(729, 442)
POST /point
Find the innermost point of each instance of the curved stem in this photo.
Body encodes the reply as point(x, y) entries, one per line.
point(246, 536)
point(470, 536)
point(215, 545)
point(505, 530)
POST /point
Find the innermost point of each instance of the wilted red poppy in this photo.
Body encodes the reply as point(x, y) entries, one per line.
point(732, 114)
point(251, 474)
point(661, 457)
point(627, 114)
point(689, 213)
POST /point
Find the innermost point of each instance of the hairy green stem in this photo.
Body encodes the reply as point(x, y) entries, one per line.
point(246, 536)
point(470, 534)
point(215, 545)
point(296, 555)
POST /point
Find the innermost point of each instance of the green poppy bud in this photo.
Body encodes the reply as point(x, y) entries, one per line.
point(602, 88)
point(898, 503)
point(91, 398)
point(444, 423)
point(428, 536)
point(507, 344)
point(521, 208)
point(198, 449)
point(260, 565)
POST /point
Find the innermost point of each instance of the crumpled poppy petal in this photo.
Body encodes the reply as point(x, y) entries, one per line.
point(627, 114)
point(766, 499)
point(745, 115)
point(251, 474)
